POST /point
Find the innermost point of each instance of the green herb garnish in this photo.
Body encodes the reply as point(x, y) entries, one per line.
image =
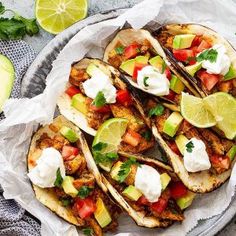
point(65, 202)
point(84, 191)
point(99, 100)
point(156, 111)
point(189, 146)
point(59, 179)
point(99, 146)
point(209, 55)
point(145, 81)
point(119, 50)
point(163, 67)
point(147, 135)
point(125, 169)
point(87, 231)
point(17, 26)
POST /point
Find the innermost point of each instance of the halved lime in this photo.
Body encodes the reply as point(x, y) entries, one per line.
point(7, 79)
point(223, 107)
point(194, 111)
point(56, 15)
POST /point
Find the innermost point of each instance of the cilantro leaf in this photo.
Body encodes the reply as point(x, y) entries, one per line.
point(84, 191)
point(145, 81)
point(120, 50)
point(65, 201)
point(147, 135)
point(99, 100)
point(59, 178)
point(125, 169)
point(189, 146)
point(87, 231)
point(2, 9)
point(156, 111)
point(209, 55)
point(163, 67)
point(99, 146)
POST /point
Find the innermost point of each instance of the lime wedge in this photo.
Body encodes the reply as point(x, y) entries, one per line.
point(56, 15)
point(223, 107)
point(194, 111)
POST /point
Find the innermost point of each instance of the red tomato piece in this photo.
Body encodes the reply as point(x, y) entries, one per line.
point(160, 205)
point(131, 51)
point(137, 68)
point(168, 73)
point(84, 207)
point(196, 41)
point(123, 97)
point(208, 80)
point(174, 148)
point(177, 189)
point(183, 54)
point(171, 95)
point(220, 163)
point(69, 152)
point(72, 90)
point(143, 201)
point(203, 45)
point(104, 109)
point(131, 137)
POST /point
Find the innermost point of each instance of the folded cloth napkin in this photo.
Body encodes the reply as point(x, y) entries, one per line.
point(14, 220)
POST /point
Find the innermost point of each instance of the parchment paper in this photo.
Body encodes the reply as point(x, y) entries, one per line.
point(24, 115)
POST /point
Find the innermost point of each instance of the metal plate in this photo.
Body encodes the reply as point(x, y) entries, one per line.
point(33, 84)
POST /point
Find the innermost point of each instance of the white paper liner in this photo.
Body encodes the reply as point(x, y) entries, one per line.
point(24, 115)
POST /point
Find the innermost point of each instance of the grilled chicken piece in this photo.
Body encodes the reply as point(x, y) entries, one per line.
point(77, 164)
point(115, 61)
point(97, 230)
point(135, 122)
point(131, 177)
point(77, 76)
point(160, 120)
point(85, 179)
point(227, 144)
point(225, 86)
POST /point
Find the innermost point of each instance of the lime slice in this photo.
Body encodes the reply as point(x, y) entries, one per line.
point(56, 15)
point(223, 107)
point(110, 132)
point(194, 111)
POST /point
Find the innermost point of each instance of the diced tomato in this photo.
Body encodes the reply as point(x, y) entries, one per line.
point(174, 148)
point(143, 201)
point(196, 41)
point(220, 163)
point(183, 54)
point(72, 90)
point(177, 189)
point(104, 109)
point(203, 45)
point(69, 152)
point(84, 207)
point(171, 95)
point(160, 205)
point(168, 73)
point(208, 80)
point(123, 97)
point(131, 137)
point(137, 68)
point(131, 51)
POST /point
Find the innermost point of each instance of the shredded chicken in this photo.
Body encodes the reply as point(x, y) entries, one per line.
point(77, 76)
point(76, 165)
point(85, 179)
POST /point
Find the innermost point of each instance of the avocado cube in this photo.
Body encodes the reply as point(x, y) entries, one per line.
point(182, 41)
point(231, 74)
point(172, 123)
point(192, 69)
point(176, 84)
point(132, 193)
point(232, 153)
point(165, 180)
point(69, 134)
point(181, 141)
point(128, 66)
point(185, 201)
point(115, 170)
point(142, 59)
point(79, 103)
point(92, 70)
point(157, 62)
point(68, 186)
point(101, 214)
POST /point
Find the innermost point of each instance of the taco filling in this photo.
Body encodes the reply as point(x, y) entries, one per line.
point(63, 182)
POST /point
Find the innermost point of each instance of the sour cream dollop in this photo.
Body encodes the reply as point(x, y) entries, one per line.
point(97, 83)
point(148, 181)
point(222, 63)
point(151, 80)
point(45, 172)
point(197, 159)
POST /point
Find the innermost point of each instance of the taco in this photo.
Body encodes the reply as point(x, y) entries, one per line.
point(206, 59)
point(66, 182)
point(138, 55)
point(95, 93)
